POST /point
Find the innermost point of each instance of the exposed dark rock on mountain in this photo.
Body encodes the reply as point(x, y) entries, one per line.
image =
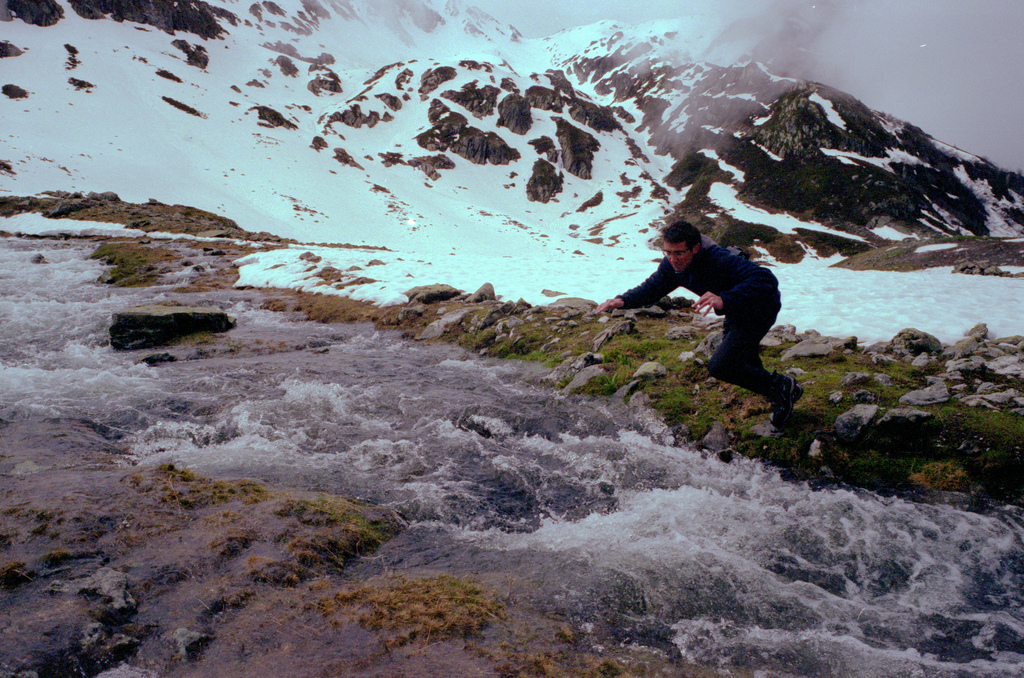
point(287, 66)
point(544, 98)
point(14, 92)
point(184, 107)
point(324, 82)
point(545, 182)
point(578, 148)
point(545, 146)
point(36, 12)
point(391, 101)
point(268, 117)
point(514, 113)
point(170, 16)
point(354, 117)
point(600, 118)
point(195, 55)
point(8, 49)
point(483, 147)
point(343, 156)
point(480, 101)
point(434, 78)
point(430, 164)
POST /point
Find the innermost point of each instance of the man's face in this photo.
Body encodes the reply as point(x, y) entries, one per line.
point(679, 255)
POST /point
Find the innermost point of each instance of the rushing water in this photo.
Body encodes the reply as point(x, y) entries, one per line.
point(644, 542)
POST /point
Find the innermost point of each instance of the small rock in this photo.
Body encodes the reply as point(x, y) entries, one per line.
point(485, 293)
point(717, 439)
point(650, 370)
point(808, 348)
point(851, 424)
point(932, 395)
point(190, 644)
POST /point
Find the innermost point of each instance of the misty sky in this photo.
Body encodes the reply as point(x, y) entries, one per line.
point(953, 68)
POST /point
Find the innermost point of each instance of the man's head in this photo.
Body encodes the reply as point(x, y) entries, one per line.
point(680, 243)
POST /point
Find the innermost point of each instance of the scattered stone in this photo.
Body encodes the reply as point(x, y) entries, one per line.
point(852, 424)
point(717, 439)
point(428, 294)
point(572, 365)
point(111, 588)
point(851, 378)
point(904, 416)
point(441, 325)
point(932, 395)
point(883, 379)
point(155, 325)
point(485, 293)
point(585, 376)
point(865, 396)
point(915, 342)
point(808, 348)
point(650, 370)
point(710, 343)
point(623, 327)
point(835, 397)
point(979, 332)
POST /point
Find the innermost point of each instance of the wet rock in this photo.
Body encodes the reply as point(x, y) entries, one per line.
point(572, 366)
point(717, 439)
point(585, 376)
point(189, 644)
point(852, 424)
point(110, 587)
point(932, 395)
point(441, 325)
point(155, 325)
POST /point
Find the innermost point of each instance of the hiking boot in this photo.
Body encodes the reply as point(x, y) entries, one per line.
point(786, 393)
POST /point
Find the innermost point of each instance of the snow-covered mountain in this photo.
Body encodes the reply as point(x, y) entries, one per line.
point(394, 123)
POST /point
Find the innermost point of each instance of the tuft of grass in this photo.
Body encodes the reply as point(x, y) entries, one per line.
point(191, 491)
point(427, 609)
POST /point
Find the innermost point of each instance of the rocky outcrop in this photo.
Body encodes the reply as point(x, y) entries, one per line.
point(36, 12)
point(480, 101)
point(599, 118)
point(195, 55)
point(514, 114)
point(8, 49)
point(13, 92)
point(156, 325)
point(434, 78)
point(354, 117)
point(268, 117)
point(544, 98)
point(578, 148)
point(544, 183)
point(170, 16)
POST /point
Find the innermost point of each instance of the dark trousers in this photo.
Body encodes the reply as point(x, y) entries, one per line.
point(738, 359)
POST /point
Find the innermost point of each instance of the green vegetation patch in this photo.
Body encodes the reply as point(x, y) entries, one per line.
point(191, 491)
point(135, 264)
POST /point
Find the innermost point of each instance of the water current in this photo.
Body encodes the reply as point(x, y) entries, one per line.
point(637, 539)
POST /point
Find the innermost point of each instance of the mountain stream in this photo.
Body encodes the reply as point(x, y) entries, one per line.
point(638, 540)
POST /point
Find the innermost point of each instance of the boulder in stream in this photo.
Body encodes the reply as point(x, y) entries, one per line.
point(156, 325)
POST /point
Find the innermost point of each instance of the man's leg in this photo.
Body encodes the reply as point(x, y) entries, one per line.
point(738, 359)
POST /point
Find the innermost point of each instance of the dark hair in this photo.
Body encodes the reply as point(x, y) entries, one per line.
point(681, 231)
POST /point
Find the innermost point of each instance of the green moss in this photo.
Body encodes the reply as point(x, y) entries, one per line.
point(134, 265)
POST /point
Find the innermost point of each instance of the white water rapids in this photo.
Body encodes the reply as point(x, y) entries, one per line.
point(643, 542)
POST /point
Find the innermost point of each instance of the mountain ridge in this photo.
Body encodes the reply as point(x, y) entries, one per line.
point(612, 137)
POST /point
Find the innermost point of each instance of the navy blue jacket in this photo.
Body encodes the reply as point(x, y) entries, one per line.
point(746, 288)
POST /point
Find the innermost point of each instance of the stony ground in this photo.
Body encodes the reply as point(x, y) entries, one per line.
point(192, 576)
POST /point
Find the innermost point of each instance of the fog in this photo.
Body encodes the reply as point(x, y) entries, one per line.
point(952, 68)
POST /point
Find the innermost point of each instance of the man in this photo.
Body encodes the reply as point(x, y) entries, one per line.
point(745, 293)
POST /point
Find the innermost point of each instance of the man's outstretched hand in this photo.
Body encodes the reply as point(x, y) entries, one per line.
point(708, 301)
point(609, 305)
